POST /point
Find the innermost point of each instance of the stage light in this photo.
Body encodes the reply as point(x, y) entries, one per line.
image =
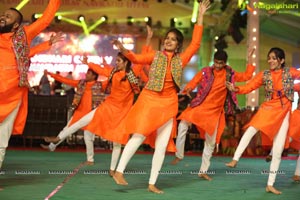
point(34, 17)
point(57, 18)
point(221, 43)
point(173, 22)
point(22, 4)
point(148, 21)
point(130, 20)
point(186, 1)
point(104, 18)
point(173, 1)
point(81, 18)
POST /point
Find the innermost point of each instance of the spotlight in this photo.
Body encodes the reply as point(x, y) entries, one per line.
point(173, 22)
point(81, 18)
point(34, 17)
point(173, 1)
point(57, 18)
point(186, 1)
point(148, 21)
point(221, 43)
point(104, 18)
point(130, 20)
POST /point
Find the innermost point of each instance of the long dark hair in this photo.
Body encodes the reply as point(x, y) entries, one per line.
point(128, 65)
point(279, 53)
point(179, 37)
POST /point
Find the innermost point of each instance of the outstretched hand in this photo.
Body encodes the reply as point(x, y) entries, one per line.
point(149, 35)
point(230, 86)
point(54, 38)
point(118, 44)
point(203, 7)
point(84, 59)
point(251, 54)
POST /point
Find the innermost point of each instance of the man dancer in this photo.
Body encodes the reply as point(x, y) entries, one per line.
point(15, 40)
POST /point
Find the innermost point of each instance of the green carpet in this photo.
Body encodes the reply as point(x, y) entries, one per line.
point(33, 175)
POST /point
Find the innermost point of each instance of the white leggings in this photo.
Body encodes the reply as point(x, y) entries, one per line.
point(297, 171)
point(115, 156)
point(161, 142)
point(89, 139)
point(278, 146)
point(6, 128)
point(181, 137)
point(209, 146)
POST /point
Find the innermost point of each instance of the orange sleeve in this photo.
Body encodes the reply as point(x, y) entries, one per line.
point(253, 84)
point(144, 58)
point(193, 46)
point(194, 82)
point(244, 76)
point(64, 80)
point(104, 71)
point(43, 22)
point(39, 48)
point(295, 73)
point(297, 87)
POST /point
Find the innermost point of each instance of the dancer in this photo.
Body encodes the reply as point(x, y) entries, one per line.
point(89, 94)
point(272, 118)
point(14, 65)
point(294, 133)
point(122, 85)
point(208, 109)
point(154, 113)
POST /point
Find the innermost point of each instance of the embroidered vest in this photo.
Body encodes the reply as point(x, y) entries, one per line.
point(21, 50)
point(97, 95)
point(158, 71)
point(287, 82)
point(231, 103)
point(133, 80)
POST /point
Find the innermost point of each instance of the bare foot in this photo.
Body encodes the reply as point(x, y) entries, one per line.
point(119, 178)
point(296, 178)
point(52, 139)
point(175, 161)
point(272, 189)
point(205, 176)
point(111, 173)
point(232, 164)
point(268, 158)
point(152, 188)
point(89, 163)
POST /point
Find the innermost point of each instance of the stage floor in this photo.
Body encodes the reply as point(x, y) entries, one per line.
point(36, 174)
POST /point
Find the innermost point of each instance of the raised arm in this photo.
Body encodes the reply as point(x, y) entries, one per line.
point(45, 46)
point(43, 22)
point(104, 71)
point(197, 34)
point(247, 75)
point(64, 80)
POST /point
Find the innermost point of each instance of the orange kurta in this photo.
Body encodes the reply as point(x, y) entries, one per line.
point(11, 94)
point(153, 109)
point(294, 128)
point(109, 114)
point(211, 111)
point(270, 115)
point(85, 105)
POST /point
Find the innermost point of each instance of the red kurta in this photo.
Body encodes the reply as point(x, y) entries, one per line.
point(270, 115)
point(11, 94)
point(153, 109)
point(211, 110)
point(115, 107)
